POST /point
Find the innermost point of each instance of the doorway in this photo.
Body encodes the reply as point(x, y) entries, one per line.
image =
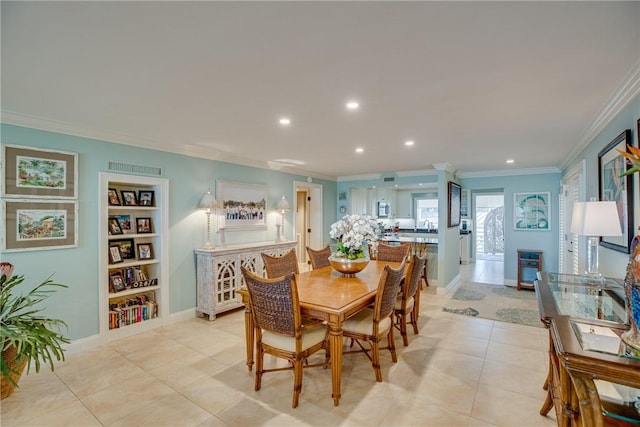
point(488, 235)
point(307, 219)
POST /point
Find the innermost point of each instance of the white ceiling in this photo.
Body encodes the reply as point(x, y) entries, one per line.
point(472, 83)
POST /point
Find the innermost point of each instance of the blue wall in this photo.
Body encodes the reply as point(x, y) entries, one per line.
point(612, 263)
point(546, 241)
point(189, 178)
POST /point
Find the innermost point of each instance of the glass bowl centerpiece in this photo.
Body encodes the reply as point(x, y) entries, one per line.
point(352, 233)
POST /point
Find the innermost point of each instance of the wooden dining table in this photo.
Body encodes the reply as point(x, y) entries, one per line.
point(327, 295)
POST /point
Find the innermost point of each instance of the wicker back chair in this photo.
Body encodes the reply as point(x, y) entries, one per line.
point(278, 266)
point(408, 302)
point(278, 328)
point(395, 253)
point(372, 325)
point(319, 258)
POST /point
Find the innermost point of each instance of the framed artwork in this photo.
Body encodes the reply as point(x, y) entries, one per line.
point(129, 198)
point(127, 250)
point(114, 226)
point(114, 254)
point(614, 187)
point(38, 224)
point(114, 199)
point(143, 225)
point(35, 172)
point(531, 211)
point(454, 204)
point(244, 206)
point(145, 251)
point(125, 222)
point(145, 198)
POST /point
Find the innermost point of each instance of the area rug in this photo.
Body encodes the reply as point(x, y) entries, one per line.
point(495, 302)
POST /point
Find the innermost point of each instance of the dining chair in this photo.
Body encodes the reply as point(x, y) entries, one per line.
point(278, 266)
point(408, 301)
point(319, 258)
point(372, 325)
point(394, 253)
point(279, 331)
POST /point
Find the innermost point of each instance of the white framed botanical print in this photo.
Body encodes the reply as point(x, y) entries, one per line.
point(531, 211)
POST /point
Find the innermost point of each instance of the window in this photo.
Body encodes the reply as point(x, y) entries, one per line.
point(427, 212)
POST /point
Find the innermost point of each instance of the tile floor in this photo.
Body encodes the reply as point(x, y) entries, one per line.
point(458, 371)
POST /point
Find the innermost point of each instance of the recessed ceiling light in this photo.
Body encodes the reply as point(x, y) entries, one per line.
point(285, 121)
point(359, 150)
point(353, 105)
point(510, 161)
point(409, 143)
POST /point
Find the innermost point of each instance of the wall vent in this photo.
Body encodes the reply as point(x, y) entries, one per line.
point(134, 169)
point(389, 178)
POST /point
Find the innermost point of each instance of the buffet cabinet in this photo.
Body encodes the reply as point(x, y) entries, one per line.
point(219, 274)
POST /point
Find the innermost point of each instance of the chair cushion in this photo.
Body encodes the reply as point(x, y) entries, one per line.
point(362, 323)
point(410, 303)
point(310, 337)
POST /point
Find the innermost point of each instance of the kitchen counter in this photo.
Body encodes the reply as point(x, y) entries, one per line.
point(399, 237)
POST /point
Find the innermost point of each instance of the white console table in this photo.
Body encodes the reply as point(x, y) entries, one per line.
point(219, 276)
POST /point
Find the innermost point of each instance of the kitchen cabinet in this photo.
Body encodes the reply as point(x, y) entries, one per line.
point(465, 248)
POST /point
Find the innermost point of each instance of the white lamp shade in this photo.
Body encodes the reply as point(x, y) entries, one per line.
point(596, 219)
point(283, 205)
point(208, 201)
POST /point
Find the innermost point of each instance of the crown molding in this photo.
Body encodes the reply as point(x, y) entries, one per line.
point(417, 172)
point(629, 88)
point(448, 167)
point(65, 128)
point(359, 177)
point(510, 172)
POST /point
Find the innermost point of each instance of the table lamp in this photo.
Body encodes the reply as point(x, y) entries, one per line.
point(208, 202)
point(283, 206)
point(595, 219)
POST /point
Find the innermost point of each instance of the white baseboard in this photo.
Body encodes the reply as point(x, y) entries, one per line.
point(451, 287)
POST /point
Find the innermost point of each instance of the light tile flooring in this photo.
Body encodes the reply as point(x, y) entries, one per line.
point(458, 371)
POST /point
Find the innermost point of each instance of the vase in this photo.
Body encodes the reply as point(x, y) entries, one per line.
point(348, 267)
point(16, 367)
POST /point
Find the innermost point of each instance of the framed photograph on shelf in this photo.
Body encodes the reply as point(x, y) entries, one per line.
point(31, 225)
point(127, 251)
point(114, 254)
point(36, 172)
point(114, 226)
point(613, 187)
point(143, 225)
point(244, 206)
point(125, 222)
point(117, 281)
point(145, 251)
point(129, 198)
point(114, 199)
point(454, 204)
point(145, 198)
point(531, 211)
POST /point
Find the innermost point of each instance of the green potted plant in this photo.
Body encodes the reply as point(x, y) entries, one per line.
point(27, 337)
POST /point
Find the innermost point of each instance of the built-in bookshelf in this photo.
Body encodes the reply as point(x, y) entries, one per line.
point(133, 235)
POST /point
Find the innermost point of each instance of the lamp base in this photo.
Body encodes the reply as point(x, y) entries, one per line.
point(207, 246)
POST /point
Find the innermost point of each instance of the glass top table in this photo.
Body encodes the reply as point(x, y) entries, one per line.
point(586, 320)
point(576, 297)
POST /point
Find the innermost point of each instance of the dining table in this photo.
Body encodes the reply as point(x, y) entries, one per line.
point(327, 295)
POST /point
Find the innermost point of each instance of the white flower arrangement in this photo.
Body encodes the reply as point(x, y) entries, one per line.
point(351, 232)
